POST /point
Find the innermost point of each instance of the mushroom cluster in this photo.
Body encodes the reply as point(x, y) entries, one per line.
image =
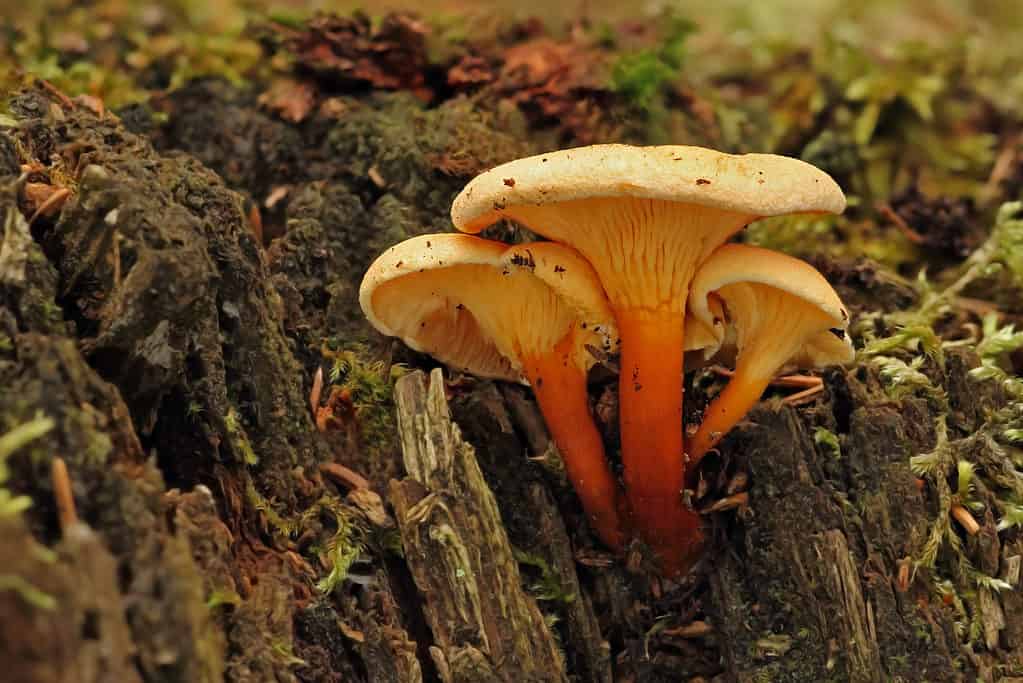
point(637, 263)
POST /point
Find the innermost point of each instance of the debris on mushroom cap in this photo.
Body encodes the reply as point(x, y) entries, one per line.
point(736, 265)
point(479, 305)
point(754, 184)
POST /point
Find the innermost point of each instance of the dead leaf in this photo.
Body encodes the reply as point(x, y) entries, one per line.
point(290, 98)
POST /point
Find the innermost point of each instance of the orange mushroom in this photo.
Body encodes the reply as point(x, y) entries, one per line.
point(781, 311)
point(645, 218)
point(523, 312)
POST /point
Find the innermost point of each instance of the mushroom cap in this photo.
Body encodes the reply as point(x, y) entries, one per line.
point(739, 263)
point(396, 298)
point(753, 184)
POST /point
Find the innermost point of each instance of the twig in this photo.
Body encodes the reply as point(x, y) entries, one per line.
point(343, 476)
point(314, 395)
point(65, 499)
point(729, 503)
point(116, 252)
point(255, 218)
point(1002, 167)
point(804, 396)
point(58, 196)
point(695, 629)
point(64, 99)
point(886, 210)
point(801, 381)
point(965, 519)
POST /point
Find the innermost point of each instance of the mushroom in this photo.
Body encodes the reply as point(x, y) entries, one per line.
point(782, 311)
point(517, 313)
point(645, 218)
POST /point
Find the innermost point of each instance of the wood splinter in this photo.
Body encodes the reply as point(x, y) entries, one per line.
point(66, 513)
point(803, 396)
point(965, 519)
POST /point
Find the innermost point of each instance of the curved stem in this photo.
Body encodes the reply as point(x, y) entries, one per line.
point(740, 394)
point(650, 408)
point(560, 389)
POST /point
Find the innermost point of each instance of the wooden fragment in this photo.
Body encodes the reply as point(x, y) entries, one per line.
point(485, 627)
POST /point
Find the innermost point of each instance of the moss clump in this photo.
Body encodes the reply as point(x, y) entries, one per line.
point(239, 439)
point(363, 389)
point(641, 77)
point(341, 548)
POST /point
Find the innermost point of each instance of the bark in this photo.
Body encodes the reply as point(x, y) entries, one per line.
point(484, 625)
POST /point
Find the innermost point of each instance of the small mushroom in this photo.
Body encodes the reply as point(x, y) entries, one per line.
point(781, 310)
point(517, 313)
point(646, 218)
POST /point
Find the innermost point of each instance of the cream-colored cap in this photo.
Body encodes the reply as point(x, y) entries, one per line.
point(476, 305)
point(754, 184)
point(741, 264)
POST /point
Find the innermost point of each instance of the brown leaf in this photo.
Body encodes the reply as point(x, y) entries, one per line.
point(348, 50)
point(562, 82)
point(290, 99)
point(471, 71)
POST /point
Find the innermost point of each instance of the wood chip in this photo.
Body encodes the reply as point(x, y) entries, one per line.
point(374, 175)
point(276, 195)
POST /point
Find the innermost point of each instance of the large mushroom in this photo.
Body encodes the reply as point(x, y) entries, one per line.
point(781, 310)
point(645, 218)
point(518, 313)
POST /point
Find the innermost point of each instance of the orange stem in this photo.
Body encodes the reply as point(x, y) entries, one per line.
point(650, 408)
point(724, 412)
point(560, 389)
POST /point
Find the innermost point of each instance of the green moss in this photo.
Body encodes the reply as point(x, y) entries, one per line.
point(218, 598)
point(548, 586)
point(829, 440)
point(14, 440)
point(640, 77)
point(239, 438)
point(370, 387)
point(286, 655)
point(342, 548)
point(11, 506)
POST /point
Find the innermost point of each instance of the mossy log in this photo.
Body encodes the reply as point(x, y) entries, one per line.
point(175, 354)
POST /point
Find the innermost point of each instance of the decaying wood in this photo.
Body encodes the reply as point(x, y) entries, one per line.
point(493, 418)
point(201, 562)
point(485, 627)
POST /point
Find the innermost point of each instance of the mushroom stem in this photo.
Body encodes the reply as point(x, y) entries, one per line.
point(650, 409)
point(559, 385)
point(724, 412)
